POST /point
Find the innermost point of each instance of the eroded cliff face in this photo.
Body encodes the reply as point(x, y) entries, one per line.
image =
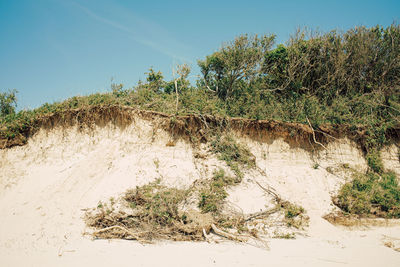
point(391, 158)
point(47, 184)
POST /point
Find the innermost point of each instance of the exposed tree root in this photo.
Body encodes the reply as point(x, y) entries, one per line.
point(313, 134)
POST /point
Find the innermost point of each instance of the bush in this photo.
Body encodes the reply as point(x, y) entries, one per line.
point(8, 103)
point(234, 154)
point(212, 197)
point(371, 194)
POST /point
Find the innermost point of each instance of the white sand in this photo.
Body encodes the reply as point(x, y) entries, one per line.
point(46, 185)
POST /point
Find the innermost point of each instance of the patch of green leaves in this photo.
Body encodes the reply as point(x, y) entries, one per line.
point(371, 194)
point(233, 153)
point(211, 198)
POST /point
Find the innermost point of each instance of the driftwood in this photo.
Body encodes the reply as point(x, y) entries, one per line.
point(228, 235)
point(261, 213)
point(132, 234)
point(206, 236)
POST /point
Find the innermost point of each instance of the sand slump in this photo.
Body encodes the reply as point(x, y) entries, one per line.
point(47, 184)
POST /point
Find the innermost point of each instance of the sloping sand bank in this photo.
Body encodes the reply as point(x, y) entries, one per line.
point(46, 186)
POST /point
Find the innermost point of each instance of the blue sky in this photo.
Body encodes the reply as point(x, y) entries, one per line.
point(54, 49)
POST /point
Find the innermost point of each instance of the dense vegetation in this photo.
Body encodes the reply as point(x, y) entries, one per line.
point(371, 194)
point(347, 78)
point(339, 78)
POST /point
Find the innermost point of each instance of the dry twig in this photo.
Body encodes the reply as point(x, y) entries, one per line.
point(261, 213)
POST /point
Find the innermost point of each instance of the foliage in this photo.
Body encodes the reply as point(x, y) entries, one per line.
point(361, 60)
point(234, 154)
point(294, 215)
point(340, 78)
point(235, 63)
point(371, 193)
point(292, 210)
point(375, 162)
point(154, 80)
point(211, 198)
point(8, 103)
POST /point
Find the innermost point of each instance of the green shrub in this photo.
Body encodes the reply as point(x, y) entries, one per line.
point(234, 154)
point(371, 193)
point(212, 197)
point(375, 162)
point(292, 210)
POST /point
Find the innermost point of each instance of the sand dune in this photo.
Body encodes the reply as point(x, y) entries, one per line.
point(46, 186)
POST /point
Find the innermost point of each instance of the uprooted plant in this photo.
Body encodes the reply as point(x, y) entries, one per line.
point(152, 212)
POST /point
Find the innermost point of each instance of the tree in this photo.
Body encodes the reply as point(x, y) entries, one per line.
point(183, 72)
point(155, 80)
point(237, 61)
point(8, 102)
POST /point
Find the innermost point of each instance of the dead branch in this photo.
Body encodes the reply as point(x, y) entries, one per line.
point(269, 189)
point(261, 213)
point(228, 235)
point(132, 234)
point(318, 131)
point(206, 236)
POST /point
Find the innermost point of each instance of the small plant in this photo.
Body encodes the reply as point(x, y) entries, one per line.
point(112, 201)
point(294, 215)
point(8, 103)
point(234, 154)
point(156, 162)
point(156, 203)
point(284, 236)
point(374, 161)
point(292, 210)
point(212, 197)
point(315, 166)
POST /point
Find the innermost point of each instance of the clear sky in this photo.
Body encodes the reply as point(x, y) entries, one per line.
point(54, 49)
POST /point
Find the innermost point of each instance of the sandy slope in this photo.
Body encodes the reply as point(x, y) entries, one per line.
point(46, 185)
